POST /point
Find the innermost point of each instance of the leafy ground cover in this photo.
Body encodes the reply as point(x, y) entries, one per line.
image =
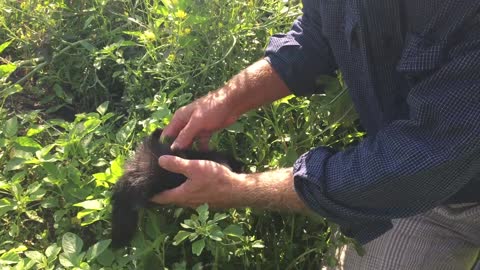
point(81, 82)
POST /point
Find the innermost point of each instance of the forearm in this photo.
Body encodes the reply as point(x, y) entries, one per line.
point(272, 190)
point(253, 87)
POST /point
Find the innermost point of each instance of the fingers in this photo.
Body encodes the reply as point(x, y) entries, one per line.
point(170, 196)
point(187, 134)
point(175, 164)
point(203, 141)
point(178, 122)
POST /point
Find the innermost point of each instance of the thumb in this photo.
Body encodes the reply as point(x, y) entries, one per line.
point(170, 196)
point(175, 164)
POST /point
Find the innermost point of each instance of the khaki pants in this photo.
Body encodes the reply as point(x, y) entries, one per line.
point(445, 238)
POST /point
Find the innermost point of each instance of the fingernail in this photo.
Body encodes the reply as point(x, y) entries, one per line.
point(174, 146)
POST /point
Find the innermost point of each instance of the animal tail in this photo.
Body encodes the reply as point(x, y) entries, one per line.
point(124, 223)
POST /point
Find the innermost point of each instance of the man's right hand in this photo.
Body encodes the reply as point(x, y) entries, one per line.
point(253, 87)
point(199, 120)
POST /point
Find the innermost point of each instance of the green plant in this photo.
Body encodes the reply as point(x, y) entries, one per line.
point(81, 82)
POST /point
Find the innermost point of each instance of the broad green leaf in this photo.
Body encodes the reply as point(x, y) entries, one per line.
point(91, 124)
point(71, 243)
point(9, 257)
point(35, 255)
point(7, 69)
point(4, 185)
point(234, 230)
point(52, 252)
point(33, 188)
point(28, 142)
point(117, 166)
point(32, 215)
point(44, 151)
point(18, 177)
point(97, 249)
point(124, 133)
point(4, 45)
point(203, 212)
point(197, 246)
point(100, 179)
point(91, 204)
point(160, 113)
point(5, 206)
point(85, 212)
point(102, 109)
point(83, 266)
point(35, 130)
point(216, 234)
point(180, 237)
point(14, 164)
point(10, 128)
point(219, 216)
point(65, 260)
point(37, 194)
point(50, 202)
point(189, 224)
point(106, 258)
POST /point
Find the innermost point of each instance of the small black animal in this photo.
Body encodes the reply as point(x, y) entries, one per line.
point(143, 178)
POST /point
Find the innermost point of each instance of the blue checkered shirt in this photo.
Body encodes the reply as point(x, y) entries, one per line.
point(413, 72)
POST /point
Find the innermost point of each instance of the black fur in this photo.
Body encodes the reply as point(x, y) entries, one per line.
point(143, 178)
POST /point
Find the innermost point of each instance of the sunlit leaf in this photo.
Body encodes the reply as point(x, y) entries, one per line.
point(102, 109)
point(4, 45)
point(9, 257)
point(6, 70)
point(91, 204)
point(28, 142)
point(35, 256)
point(34, 130)
point(52, 251)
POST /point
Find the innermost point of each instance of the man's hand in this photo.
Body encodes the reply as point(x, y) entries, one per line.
point(198, 120)
point(208, 182)
point(213, 183)
point(253, 87)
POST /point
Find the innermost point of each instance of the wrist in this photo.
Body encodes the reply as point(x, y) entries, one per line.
point(255, 86)
point(272, 190)
point(241, 187)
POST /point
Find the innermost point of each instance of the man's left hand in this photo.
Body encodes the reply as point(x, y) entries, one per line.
point(207, 182)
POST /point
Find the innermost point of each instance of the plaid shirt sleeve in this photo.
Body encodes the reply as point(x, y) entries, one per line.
point(302, 55)
point(409, 166)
